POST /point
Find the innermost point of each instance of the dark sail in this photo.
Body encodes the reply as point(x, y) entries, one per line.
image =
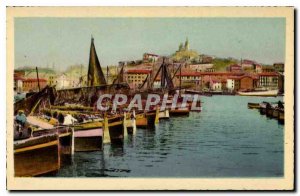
point(95, 74)
point(120, 77)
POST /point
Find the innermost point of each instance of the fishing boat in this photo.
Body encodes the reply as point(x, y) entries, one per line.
point(65, 138)
point(164, 114)
point(253, 105)
point(36, 155)
point(179, 112)
point(269, 110)
point(263, 108)
point(88, 136)
point(267, 93)
point(147, 119)
point(281, 115)
point(275, 113)
point(115, 127)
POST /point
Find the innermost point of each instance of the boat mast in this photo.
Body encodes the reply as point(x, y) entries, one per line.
point(180, 81)
point(38, 81)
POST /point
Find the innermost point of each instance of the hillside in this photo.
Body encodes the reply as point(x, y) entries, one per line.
point(220, 64)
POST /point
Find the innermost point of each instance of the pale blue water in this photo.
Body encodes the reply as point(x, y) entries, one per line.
point(225, 140)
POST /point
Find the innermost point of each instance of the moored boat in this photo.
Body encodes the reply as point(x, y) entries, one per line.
point(113, 129)
point(147, 119)
point(269, 110)
point(253, 105)
point(263, 108)
point(164, 114)
point(36, 155)
point(281, 116)
point(88, 140)
point(267, 93)
point(275, 113)
point(179, 111)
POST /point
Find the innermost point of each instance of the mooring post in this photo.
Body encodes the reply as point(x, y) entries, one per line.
point(157, 115)
point(134, 123)
point(73, 140)
point(167, 114)
point(106, 136)
point(125, 126)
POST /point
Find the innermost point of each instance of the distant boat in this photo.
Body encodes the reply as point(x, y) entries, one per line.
point(253, 105)
point(267, 93)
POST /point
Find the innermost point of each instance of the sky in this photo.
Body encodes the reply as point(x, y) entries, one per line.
point(63, 42)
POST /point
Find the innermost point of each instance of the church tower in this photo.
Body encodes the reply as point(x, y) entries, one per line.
point(187, 45)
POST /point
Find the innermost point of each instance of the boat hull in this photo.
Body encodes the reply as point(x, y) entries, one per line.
point(88, 140)
point(164, 114)
point(253, 105)
point(281, 117)
point(179, 112)
point(271, 93)
point(36, 156)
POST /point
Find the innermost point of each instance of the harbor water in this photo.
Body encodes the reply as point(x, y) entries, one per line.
point(226, 139)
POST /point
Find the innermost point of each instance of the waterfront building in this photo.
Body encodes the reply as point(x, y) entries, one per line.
point(234, 68)
point(230, 84)
point(147, 57)
point(18, 82)
point(216, 85)
point(207, 77)
point(248, 64)
point(242, 82)
point(268, 80)
point(247, 82)
point(32, 84)
point(190, 78)
point(268, 68)
point(210, 70)
point(136, 77)
point(46, 73)
point(281, 82)
point(279, 67)
point(200, 67)
point(258, 68)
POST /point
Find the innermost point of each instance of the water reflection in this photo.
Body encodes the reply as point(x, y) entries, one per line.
point(222, 141)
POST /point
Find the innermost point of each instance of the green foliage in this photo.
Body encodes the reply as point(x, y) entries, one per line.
point(185, 55)
point(222, 64)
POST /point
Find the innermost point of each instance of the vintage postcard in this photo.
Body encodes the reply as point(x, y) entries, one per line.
point(150, 98)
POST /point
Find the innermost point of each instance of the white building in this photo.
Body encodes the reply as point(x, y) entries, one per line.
point(230, 84)
point(201, 67)
point(62, 82)
point(216, 86)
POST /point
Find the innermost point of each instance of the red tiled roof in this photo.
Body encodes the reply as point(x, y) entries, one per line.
point(268, 74)
point(138, 71)
point(254, 77)
point(18, 78)
point(189, 74)
point(220, 73)
point(229, 74)
point(35, 80)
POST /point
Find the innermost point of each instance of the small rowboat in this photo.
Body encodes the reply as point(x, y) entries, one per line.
point(253, 105)
point(263, 108)
point(281, 116)
point(268, 93)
